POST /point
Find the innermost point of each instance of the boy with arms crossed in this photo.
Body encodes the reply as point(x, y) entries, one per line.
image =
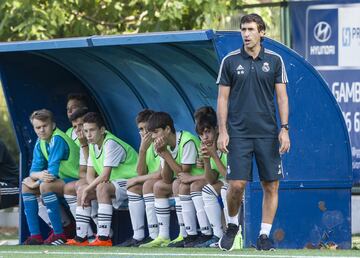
point(75, 101)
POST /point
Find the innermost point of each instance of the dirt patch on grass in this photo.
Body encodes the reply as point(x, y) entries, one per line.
point(9, 232)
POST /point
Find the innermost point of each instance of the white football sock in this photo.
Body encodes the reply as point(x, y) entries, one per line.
point(235, 219)
point(223, 193)
point(162, 208)
point(104, 219)
point(212, 209)
point(137, 214)
point(151, 215)
point(82, 221)
point(180, 218)
point(204, 223)
point(189, 214)
point(265, 229)
point(72, 202)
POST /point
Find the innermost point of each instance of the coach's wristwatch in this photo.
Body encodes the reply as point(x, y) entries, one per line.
point(285, 126)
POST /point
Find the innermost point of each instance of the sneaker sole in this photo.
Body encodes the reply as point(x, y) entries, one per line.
point(153, 246)
point(262, 250)
point(223, 249)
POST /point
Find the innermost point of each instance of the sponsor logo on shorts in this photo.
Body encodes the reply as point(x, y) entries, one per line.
point(3, 184)
point(228, 170)
point(280, 170)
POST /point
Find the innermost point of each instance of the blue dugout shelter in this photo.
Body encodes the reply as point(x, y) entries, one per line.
point(176, 72)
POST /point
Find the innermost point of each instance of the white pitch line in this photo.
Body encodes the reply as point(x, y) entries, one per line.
point(173, 254)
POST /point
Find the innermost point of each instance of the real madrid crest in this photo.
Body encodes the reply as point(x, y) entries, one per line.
point(266, 67)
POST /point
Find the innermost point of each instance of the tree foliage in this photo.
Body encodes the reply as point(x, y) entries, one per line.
point(46, 19)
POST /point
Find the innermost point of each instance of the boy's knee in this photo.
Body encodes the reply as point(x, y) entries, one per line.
point(197, 186)
point(79, 184)
point(148, 186)
point(102, 189)
point(184, 189)
point(25, 189)
point(104, 192)
point(80, 190)
point(70, 189)
point(161, 189)
point(137, 189)
point(46, 187)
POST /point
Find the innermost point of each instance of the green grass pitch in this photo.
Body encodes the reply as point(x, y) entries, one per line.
point(112, 252)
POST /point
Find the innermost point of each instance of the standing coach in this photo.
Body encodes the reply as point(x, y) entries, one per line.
point(248, 79)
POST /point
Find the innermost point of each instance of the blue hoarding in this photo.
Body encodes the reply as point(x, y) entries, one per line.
point(327, 34)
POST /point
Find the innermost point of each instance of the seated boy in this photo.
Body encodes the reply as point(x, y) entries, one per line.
point(215, 171)
point(140, 188)
point(215, 163)
point(75, 101)
point(76, 107)
point(111, 162)
point(178, 152)
point(55, 162)
point(70, 189)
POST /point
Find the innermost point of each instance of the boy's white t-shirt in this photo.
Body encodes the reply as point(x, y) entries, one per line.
point(189, 152)
point(114, 154)
point(82, 158)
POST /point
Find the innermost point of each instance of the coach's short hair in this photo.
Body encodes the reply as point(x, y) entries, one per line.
point(93, 117)
point(160, 120)
point(42, 115)
point(144, 115)
point(78, 113)
point(253, 17)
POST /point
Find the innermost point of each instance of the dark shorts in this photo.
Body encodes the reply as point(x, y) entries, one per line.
point(9, 195)
point(267, 157)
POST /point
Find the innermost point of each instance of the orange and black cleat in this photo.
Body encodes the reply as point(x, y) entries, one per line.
point(101, 241)
point(78, 241)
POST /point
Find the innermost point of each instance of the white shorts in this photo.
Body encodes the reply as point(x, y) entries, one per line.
point(120, 193)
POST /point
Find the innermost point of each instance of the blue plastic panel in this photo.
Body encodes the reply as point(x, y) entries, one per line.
point(304, 217)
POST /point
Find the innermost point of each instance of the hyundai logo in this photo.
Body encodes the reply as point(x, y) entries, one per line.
point(322, 31)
